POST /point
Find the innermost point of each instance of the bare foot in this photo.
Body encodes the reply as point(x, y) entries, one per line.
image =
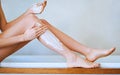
point(80, 62)
point(95, 54)
point(38, 8)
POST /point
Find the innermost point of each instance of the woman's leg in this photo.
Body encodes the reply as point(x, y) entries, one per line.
point(73, 60)
point(5, 52)
point(90, 53)
point(14, 28)
point(27, 22)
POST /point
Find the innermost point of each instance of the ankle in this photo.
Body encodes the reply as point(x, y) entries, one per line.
point(88, 51)
point(71, 57)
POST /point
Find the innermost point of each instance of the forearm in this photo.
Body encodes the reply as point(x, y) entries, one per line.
point(28, 35)
point(4, 42)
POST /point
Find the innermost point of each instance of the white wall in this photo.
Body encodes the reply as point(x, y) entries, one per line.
point(94, 23)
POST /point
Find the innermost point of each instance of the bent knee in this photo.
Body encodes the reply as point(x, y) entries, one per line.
point(44, 22)
point(42, 19)
point(30, 16)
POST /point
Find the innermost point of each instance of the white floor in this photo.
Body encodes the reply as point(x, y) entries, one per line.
point(52, 62)
point(59, 74)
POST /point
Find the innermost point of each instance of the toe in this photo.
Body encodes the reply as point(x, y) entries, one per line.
point(97, 65)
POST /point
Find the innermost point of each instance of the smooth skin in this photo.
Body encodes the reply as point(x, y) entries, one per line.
point(73, 60)
point(10, 39)
point(91, 54)
point(26, 21)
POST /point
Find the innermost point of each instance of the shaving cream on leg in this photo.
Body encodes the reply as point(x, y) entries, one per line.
point(50, 39)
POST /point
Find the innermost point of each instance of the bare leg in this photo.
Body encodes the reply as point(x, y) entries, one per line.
point(22, 25)
point(19, 27)
point(8, 28)
point(73, 60)
point(5, 52)
point(90, 53)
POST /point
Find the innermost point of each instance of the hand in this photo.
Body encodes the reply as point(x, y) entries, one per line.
point(34, 32)
point(38, 8)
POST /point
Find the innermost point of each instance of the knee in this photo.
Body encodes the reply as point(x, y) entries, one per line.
point(31, 17)
point(35, 19)
point(44, 22)
point(29, 21)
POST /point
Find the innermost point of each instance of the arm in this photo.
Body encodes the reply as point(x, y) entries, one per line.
point(29, 35)
point(11, 41)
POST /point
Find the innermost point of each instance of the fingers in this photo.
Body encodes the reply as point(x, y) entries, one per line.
point(34, 32)
point(39, 30)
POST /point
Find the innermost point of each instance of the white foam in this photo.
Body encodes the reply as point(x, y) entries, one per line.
point(36, 9)
point(51, 40)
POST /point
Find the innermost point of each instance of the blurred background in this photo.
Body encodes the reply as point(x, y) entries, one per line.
point(94, 23)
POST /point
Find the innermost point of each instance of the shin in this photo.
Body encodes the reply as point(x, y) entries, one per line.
point(73, 60)
point(52, 42)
